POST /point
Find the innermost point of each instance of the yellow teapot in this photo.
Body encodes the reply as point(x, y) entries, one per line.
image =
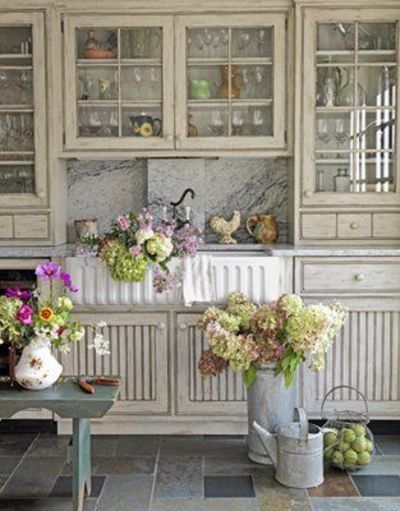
point(263, 228)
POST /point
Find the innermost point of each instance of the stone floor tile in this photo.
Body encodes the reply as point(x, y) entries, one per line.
point(235, 465)
point(381, 465)
point(233, 486)
point(126, 493)
point(377, 486)
point(8, 464)
point(388, 444)
point(137, 445)
point(49, 446)
point(336, 484)
point(48, 504)
point(179, 477)
point(273, 496)
point(104, 445)
point(205, 505)
point(355, 504)
point(3, 480)
point(143, 465)
point(63, 487)
point(15, 444)
point(198, 446)
point(33, 477)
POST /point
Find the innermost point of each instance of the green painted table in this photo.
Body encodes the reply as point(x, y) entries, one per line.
point(68, 401)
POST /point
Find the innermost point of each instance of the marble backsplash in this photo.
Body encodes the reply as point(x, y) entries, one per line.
point(103, 189)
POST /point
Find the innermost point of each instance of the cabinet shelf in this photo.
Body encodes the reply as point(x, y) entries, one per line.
point(347, 109)
point(25, 109)
point(15, 56)
point(242, 61)
point(225, 102)
point(16, 162)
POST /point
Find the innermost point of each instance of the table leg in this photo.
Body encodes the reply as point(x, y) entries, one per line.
point(81, 462)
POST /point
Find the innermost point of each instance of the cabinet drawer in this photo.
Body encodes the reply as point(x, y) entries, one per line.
point(386, 225)
point(31, 226)
point(6, 226)
point(341, 275)
point(319, 226)
point(354, 226)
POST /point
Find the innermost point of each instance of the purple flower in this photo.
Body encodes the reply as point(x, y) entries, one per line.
point(66, 278)
point(135, 250)
point(24, 315)
point(48, 271)
point(123, 222)
point(16, 292)
point(74, 289)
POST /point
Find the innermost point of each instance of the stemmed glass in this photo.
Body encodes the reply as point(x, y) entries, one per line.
point(237, 123)
point(217, 125)
point(340, 132)
point(323, 134)
point(4, 85)
point(258, 121)
point(25, 82)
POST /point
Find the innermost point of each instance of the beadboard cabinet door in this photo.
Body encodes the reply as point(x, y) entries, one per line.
point(139, 355)
point(195, 395)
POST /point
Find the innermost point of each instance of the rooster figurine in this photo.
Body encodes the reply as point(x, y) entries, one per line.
point(225, 228)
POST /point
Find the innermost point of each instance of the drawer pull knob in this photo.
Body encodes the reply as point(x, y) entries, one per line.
point(359, 277)
point(161, 326)
point(183, 326)
point(354, 225)
point(308, 193)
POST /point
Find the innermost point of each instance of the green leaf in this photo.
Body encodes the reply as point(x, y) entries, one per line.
point(249, 376)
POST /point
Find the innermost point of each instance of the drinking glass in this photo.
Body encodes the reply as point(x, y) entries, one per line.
point(237, 123)
point(323, 130)
point(258, 121)
point(217, 124)
point(340, 132)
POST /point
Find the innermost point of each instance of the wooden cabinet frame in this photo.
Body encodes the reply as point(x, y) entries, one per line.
point(40, 197)
point(76, 21)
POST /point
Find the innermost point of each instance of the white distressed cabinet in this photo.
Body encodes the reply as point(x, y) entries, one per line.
point(366, 353)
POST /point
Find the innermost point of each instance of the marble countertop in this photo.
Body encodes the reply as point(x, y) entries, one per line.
point(240, 248)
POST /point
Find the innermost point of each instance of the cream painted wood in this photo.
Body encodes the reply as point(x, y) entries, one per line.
point(40, 196)
point(277, 140)
point(217, 396)
point(72, 140)
point(139, 354)
point(386, 225)
point(343, 276)
point(307, 192)
point(318, 226)
point(6, 227)
point(31, 226)
point(354, 226)
point(364, 355)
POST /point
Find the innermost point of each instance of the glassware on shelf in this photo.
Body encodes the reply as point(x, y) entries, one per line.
point(340, 132)
point(327, 88)
point(25, 84)
point(243, 40)
point(104, 88)
point(217, 125)
point(341, 182)
point(258, 121)
point(320, 181)
point(137, 75)
point(237, 123)
point(323, 134)
point(345, 95)
point(262, 42)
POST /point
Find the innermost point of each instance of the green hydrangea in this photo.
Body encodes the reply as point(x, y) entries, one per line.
point(229, 322)
point(122, 265)
point(244, 313)
point(290, 304)
point(210, 315)
point(237, 298)
point(159, 247)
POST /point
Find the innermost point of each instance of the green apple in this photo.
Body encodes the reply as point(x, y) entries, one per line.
point(363, 458)
point(348, 435)
point(350, 458)
point(358, 429)
point(359, 444)
point(330, 439)
point(337, 458)
point(369, 445)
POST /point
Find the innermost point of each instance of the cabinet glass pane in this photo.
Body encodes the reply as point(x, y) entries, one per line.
point(17, 172)
point(230, 81)
point(355, 98)
point(119, 82)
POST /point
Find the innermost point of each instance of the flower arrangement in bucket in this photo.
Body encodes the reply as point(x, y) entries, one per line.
point(37, 320)
point(137, 242)
point(246, 337)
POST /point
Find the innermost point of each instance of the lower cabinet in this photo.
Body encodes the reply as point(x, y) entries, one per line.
point(366, 353)
point(217, 396)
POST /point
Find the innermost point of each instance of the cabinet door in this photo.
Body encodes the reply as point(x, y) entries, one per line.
point(230, 81)
point(221, 395)
point(139, 355)
point(365, 355)
point(350, 108)
point(22, 111)
point(118, 82)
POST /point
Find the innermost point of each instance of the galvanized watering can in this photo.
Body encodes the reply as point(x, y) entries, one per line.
point(296, 450)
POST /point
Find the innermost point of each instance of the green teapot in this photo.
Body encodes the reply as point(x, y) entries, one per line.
point(200, 88)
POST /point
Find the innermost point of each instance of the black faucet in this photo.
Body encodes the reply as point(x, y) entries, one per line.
point(176, 204)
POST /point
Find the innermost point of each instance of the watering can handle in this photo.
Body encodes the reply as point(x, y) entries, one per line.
point(344, 387)
point(300, 416)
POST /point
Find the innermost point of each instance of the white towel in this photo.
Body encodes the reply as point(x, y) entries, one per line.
point(197, 281)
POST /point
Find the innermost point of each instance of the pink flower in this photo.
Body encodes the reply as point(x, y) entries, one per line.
point(24, 315)
point(123, 222)
point(48, 271)
point(16, 292)
point(135, 250)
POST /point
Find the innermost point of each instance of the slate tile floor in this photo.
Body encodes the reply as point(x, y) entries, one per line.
point(180, 473)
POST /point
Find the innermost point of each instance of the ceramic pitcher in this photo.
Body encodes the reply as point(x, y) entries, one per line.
point(263, 228)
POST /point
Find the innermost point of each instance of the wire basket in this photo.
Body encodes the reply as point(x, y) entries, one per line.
point(349, 443)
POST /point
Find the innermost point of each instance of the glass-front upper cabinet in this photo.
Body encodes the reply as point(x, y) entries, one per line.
point(119, 82)
point(351, 98)
point(22, 110)
point(230, 82)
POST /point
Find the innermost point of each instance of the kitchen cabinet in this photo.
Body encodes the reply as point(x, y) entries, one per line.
point(348, 100)
point(23, 149)
point(222, 88)
point(365, 354)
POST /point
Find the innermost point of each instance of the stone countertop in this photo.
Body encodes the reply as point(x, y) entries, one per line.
point(33, 252)
point(333, 251)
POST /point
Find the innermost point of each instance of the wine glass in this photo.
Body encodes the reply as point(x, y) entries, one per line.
point(25, 81)
point(4, 84)
point(340, 132)
point(262, 42)
point(258, 121)
point(224, 36)
point(237, 123)
point(323, 134)
point(243, 40)
point(137, 75)
point(208, 37)
point(217, 125)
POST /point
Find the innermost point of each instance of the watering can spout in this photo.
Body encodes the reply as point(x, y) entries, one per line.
point(269, 441)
